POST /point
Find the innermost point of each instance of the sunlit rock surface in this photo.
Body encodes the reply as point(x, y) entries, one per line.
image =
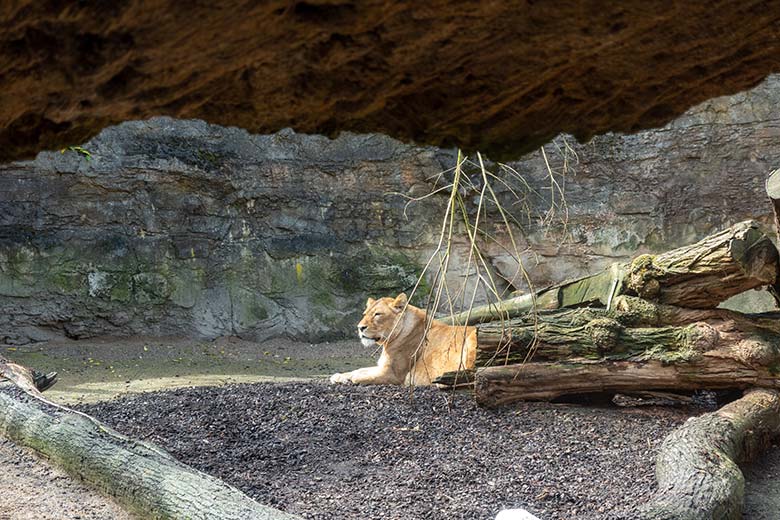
point(184, 228)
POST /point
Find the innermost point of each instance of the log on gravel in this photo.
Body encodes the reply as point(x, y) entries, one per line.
point(697, 467)
point(580, 351)
point(700, 276)
point(141, 477)
point(497, 386)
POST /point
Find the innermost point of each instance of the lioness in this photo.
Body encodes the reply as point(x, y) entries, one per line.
point(409, 356)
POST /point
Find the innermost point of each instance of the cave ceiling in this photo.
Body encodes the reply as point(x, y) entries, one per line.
point(499, 77)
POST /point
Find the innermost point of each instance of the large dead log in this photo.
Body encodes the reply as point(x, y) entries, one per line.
point(701, 275)
point(143, 478)
point(496, 386)
point(634, 329)
point(576, 351)
point(696, 468)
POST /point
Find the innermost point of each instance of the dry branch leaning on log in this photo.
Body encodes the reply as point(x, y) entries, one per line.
point(143, 478)
point(701, 275)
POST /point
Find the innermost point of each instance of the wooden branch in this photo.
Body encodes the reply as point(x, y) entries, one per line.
point(143, 478)
point(697, 470)
point(635, 399)
point(700, 276)
point(596, 290)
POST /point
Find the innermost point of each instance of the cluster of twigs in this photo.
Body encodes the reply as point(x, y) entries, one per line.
point(490, 206)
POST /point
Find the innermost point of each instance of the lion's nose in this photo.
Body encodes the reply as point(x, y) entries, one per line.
point(361, 328)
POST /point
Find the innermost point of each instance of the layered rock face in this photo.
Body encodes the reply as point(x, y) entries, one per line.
point(178, 227)
point(500, 77)
point(172, 227)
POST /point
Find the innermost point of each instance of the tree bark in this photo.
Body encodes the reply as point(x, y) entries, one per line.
point(697, 472)
point(698, 276)
point(702, 275)
point(497, 386)
point(634, 330)
point(575, 351)
point(18, 375)
point(143, 478)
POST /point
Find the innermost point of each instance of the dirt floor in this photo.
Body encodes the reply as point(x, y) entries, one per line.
point(347, 452)
point(104, 368)
point(32, 489)
point(762, 489)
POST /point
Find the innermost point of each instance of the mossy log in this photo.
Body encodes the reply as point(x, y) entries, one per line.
point(700, 276)
point(697, 467)
point(633, 330)
point(704, 274)
point(626, 349)
point(595, 290)
point(141, 477)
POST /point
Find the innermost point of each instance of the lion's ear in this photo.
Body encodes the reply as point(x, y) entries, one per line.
point(400, 301)
point(370, 302)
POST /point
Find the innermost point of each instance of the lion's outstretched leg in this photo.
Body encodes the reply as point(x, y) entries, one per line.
point(367, 376)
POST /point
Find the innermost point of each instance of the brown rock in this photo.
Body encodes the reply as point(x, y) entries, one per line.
point(501, 77)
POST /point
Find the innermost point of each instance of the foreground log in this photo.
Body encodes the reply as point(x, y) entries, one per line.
point(699, 276)
point(696, 468)
point(143, 478)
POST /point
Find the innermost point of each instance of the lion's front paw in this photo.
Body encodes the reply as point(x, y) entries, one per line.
point(340, 378)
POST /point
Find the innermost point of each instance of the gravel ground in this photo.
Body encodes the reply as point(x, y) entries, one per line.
point(34, 490)
point(336, 452)
point(762, 487)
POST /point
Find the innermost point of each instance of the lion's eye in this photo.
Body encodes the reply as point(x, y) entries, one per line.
point(377, 314)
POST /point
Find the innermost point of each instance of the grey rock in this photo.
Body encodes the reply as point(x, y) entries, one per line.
point(184, 228)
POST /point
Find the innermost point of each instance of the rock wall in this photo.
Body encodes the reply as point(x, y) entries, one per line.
point(170, 227)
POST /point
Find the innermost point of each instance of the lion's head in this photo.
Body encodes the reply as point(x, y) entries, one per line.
point(379, 319)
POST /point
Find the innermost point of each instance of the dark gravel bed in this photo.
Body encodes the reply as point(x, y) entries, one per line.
point(347, 452)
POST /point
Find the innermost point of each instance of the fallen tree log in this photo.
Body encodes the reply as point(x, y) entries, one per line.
point(701, 275)
point(141, 477)
point(496, 386)
point(623, 350)
point(634, 329)
point(696, 468)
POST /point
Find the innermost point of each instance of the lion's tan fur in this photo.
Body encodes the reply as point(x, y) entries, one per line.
point(409, 356)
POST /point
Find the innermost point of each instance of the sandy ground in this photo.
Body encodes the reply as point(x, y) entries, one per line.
point(104, 368)
point(32, 489)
